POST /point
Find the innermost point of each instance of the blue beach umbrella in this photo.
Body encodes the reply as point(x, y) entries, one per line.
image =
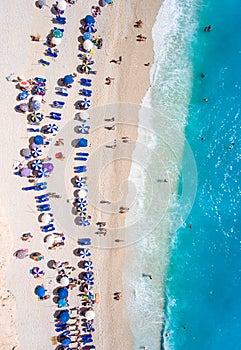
point(81, 202)
point(52, 128)
point(87, 36)
point(84, 222)
point(66, 341)
point(68, 79)
point(89, 19)
point(64, 316)
point(38, 140)
point(62, 303)
point(84, 129)
point(63, 293)
point(85, 103)
point(88, 277)
point(43, 173)
point(85, 253)
point(80, 182)
point(82, 142)
point(36, 152)
point(88, 265)
point(40, 291)
point(23, 95)
point(37, 164)
point(89, 27)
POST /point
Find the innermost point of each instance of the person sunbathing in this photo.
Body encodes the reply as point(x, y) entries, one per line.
point(138, 24)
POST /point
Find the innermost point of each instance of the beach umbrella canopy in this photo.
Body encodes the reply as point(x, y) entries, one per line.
point(21, 253)
point(38, 90)
point(37, 164)
point(57, 33)
point(62, 5)
point(102, 3)
point(88, 265)
point(49, 166)
point(52, 128)
point(89, 27)
point(81, 211)
point(56, 41)
point(34, 105)
point(85, 68)
point(40, 291)
point(81, 202)
point(24, 84)
point(90, 315)
point(66, 341)
point(62, 303)
point(109, 1)
point(23, 107)
point(36, 256)
point(23, 95)
point(46, 218)
point(83, 129)
point(87, 36)
point(63, 293)
point(85, 253)
point(26, 152)
point(68, 79)
point(85, 103)
point(25, 172)
point(89, 19)
point(43, 173)
point(38, 140)
point(36, 152)
point(80, 182)
point(36, 118)
point(87, 45)
point(50, 239)
point(84, 222)
point(37, 98)
point(42, 3)
point(64, 316)
point(37, 272)
point(64, 281)
point(82, 193)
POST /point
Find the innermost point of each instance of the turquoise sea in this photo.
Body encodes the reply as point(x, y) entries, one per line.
point(203, 281)
point(194, 251)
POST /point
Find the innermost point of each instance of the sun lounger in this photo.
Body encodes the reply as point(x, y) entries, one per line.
point(84, 154)
point(81, 159)
point(55, 116)
point(84, 241)
point(80, 169)
point(61, 93)
point(85, 82)
point(33, 130)
point(48, 228)
point(43, 198)
point(51, 53)
point(58, 104)
point(44, 63)
point(44, 207)
point(86, 92)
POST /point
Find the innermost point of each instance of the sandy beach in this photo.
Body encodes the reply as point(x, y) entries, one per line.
point(30, 324)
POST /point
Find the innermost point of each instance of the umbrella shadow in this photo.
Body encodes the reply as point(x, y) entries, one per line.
point(54, 10)
point(77, 251)
point(60, 82)
point(77, 221)
point(75, 143)
point(81, 264)
point(51, 263)
point(80, 39)
point(81, 276)
point(73, 181)
point(76, 129)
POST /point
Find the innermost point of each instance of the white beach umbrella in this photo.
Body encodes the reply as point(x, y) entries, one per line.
point(37, 98)
point(50, 239)
point(90, 315)
point(46, 218)
point(88, 45)
point(82, 193)
point(64, 281)
point(56, 41)
point(62, 5)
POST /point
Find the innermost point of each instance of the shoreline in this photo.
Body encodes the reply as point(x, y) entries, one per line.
point(116, 92)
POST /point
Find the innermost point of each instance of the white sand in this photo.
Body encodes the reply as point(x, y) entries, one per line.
point(34, 319)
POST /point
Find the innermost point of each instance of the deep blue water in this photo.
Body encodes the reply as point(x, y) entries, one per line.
point(203, 288)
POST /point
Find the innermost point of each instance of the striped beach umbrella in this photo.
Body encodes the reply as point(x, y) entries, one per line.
point(85, 253)
point(37, 164)
point(43, 173)
point(36, 152)
point(81, 202)
point(80, 182)
point(85, 68)
point(81, 211)
point(85, 103)
point(88, 277)
point(89, 27)
point(84, 222)
point(37, 272)
point(52, 128)
point(88, 265)
point(36, 118)
point(83, 129)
